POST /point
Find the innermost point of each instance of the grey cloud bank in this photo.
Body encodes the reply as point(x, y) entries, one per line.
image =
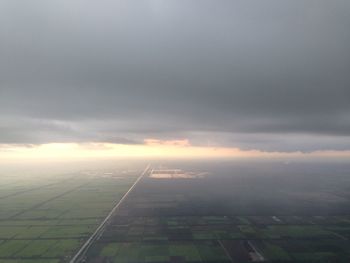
point(268, 75)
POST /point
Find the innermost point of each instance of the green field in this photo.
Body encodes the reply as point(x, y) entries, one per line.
point(164, 251)
point(197, 239)
point(46, 218)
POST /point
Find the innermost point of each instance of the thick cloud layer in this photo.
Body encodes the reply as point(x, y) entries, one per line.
point(269, 75)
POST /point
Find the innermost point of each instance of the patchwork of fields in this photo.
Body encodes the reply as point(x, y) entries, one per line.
point(175, 220)
point(207, 214)
point(225, 239)
point(46, 218)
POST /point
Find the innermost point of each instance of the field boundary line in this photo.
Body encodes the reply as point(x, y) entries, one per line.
point(99, 231)
point(226, 251)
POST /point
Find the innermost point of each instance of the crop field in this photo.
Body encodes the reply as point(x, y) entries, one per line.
point(223, 239)
point(46, 218)
point(168, 219)
point(207, 214)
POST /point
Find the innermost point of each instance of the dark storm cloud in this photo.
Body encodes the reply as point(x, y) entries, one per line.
point(264, 73)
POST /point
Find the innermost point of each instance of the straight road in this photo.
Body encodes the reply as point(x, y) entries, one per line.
point(99, 231)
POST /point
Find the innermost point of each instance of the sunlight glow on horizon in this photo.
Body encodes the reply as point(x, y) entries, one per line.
point(152, 148)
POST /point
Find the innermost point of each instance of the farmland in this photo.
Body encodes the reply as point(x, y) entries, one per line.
point(190, 212)
point(213, 218)
point(46, 217)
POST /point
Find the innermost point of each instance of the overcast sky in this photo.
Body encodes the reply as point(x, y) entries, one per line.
point(266, 75)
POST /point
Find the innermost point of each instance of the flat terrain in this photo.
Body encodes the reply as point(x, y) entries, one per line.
point(179, 212)
point(232, 213)
point(46, 217)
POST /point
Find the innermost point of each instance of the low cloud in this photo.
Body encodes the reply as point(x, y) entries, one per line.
point(156, 142)
point(271, 75)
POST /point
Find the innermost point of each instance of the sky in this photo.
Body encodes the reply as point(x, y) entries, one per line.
point(266, 76)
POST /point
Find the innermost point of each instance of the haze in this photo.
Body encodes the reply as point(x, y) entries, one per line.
point(174, 131)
